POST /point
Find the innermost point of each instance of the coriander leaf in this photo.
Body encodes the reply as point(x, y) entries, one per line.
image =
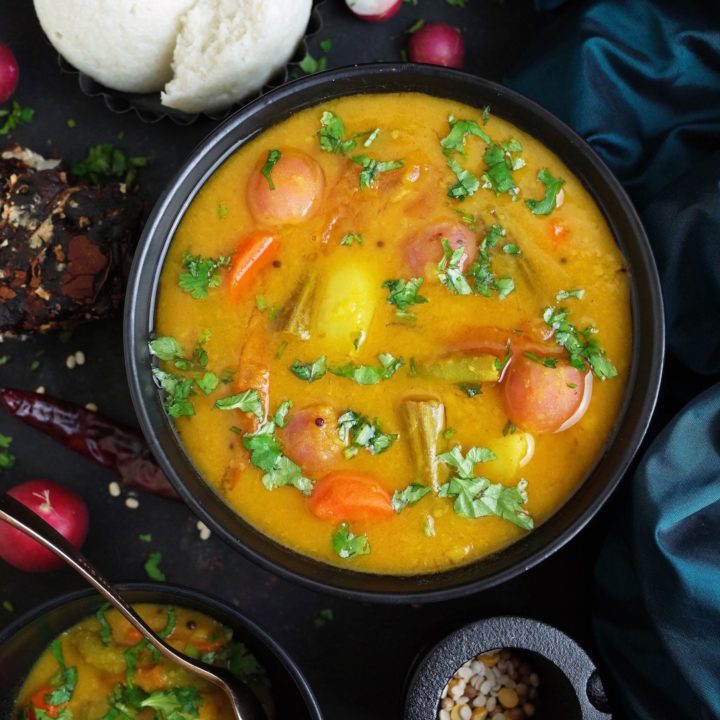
point(272, 157)
point(323, 617)
point(280, 416)
point(552, 187)
point(311, 65)
point(64, 692)
point(104, 160)
point(310, 372)
point(351, 237)
point(264, 448)
point(467, 218)
point(286, 472)
point(467, 184)
point(17, 115)
point(105, 629)
point(583, 350)
point(246, 401)
point(464, 464)
point(7, 459)
point(222, 211)
point(347, 545)
point(331, 134)
point(500, 165)
point(449, 272)
point(408, 496)
point(486, 115)
point(242, 663)
point(509, 429)
point(360, 432)
point(178, 703)
point(169, 628)
point(459, 130)
point(372, 168)
point(145, 537)
point(152, 567)
point(512, 249)
point(565, 294)
point(449, 433)
point(166, 348)
point(368, 374)
point(202, 274)
point(403, 294)
point(325, 45)
point(471, 389)
point(178, 391)
point(548, 362)
point(207, 383)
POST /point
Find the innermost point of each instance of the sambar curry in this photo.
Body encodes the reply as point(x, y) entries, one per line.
point(103, 669)
point(394, 332)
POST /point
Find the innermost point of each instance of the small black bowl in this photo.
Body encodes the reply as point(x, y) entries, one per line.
point(570, 687)
point(642, 384)
point(22, 642)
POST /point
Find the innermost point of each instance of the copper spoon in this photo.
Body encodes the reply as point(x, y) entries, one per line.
point(242, 700)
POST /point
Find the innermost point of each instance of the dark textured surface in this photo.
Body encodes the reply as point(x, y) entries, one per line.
point(358, 662)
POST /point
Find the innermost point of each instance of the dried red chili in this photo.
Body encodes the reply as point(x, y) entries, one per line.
point(93, 436)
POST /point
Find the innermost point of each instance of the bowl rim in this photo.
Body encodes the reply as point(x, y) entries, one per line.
point(202, 598)
point(200, 165)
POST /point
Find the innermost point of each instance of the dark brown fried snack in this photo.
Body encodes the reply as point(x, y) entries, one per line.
point(65, 250)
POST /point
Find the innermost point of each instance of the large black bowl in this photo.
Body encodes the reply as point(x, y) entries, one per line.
point(642, 383)
point(22, 642)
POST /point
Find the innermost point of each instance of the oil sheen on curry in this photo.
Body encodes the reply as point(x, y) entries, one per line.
point(102, 669)
point(394, 332)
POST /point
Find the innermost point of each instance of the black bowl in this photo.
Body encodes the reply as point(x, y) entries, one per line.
point(647, 353)
point(570, 685)
point(22, 642)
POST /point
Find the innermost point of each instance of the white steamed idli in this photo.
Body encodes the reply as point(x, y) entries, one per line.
point(123, 44)
point(227, 49)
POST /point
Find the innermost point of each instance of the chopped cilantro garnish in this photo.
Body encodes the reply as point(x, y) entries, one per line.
point(323, 617)
point(359, 432)
point(476, 496)
point(261, 303)
point(145, 537)
point(281, 349)
point(8, 606)
point(456, 3)
point(449, 272)
point(247, 401)
point(351, 237)
point(409, 496)
point(500, 165)
point(486, 282)
point(369, 374)
point(565, 294)
point(280, 417)
point(467, 184)
point(449, 432)
point(266, 454)
point(419, 23)
point(17, 115)
point(372, 168)
point(347, 545)
point(166, 348)
point(272, 157)
point(152, 567)
point(65, 680)
point(4, 360)
point(552, 187)
point(177, 703)
point(511, 249)
point(486, 114)
point(311, 65)
point(509, 429)
point(325, 45)
point(7, 459)
point(201, 274)
point(548, 362)
point(310, 372)
point(105, 629)
point(223, 211)
point(471, 389)
point(403, 294)
point(583, 349)
point(208, 382)
point(330, 134)
point(454, 141)
point(104, 160)
point(178, 391)
point(242, 663)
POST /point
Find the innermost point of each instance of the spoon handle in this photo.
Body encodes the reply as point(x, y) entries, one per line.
point(23, 519)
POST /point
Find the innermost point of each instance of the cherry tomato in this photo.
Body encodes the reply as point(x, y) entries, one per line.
point(298, 185)
point(425, 247)
point(437, 44)
point(311, 439)
point(541, 399)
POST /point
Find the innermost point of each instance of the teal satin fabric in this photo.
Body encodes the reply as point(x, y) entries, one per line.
point(640, 81)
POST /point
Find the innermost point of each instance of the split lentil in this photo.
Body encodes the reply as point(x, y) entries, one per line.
point(496, 685)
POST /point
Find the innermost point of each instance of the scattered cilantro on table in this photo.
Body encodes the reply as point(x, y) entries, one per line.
point(105, 161)
point(16, 115)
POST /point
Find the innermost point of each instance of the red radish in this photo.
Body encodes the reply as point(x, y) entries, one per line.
point(59, 507)
point(8, 73)
point(374, 10)
point(437, 44)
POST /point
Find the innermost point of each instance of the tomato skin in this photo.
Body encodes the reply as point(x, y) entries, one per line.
point(56, 505)
point(299, 186)
point(425, 247)
point(310, 438)
point(541, 399)
point(346, 495)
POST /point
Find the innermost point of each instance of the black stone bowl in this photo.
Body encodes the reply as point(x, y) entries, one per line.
point(23, 641)
point(642, 383)
point(570, 687)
